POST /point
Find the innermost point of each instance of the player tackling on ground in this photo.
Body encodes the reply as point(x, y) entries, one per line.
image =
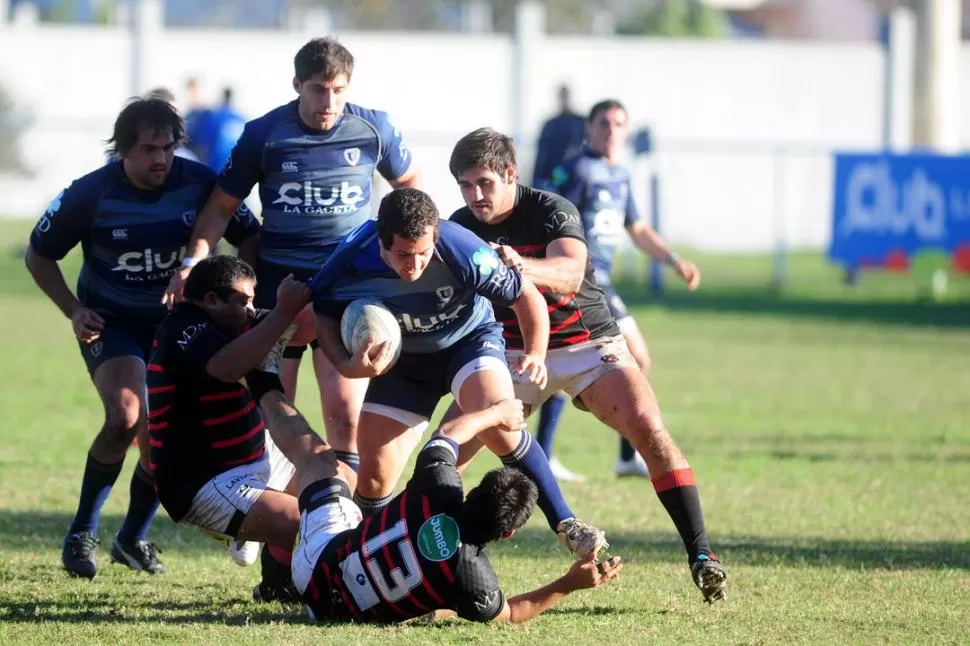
point(439, 280)
point(424, 551)
point(541, 235)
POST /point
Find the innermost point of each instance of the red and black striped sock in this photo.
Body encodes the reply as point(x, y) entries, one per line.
point(677, 491)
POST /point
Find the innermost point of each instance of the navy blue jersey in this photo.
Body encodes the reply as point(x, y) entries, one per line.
point(315, 186)
point(602, 193)
point(199, 426)
point(449, 301)
point(561, 137)
point(132, 240)
point(409, 559)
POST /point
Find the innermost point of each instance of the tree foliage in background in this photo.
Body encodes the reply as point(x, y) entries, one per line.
point(676, 19)
point(11, 128)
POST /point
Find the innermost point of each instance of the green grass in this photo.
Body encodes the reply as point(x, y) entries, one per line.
point(829, 428)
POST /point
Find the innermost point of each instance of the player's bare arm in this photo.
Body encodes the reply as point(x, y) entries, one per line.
point(583, 574)
point(373, 360)
point(47, 274)
point(244, 353)
point(533, 316)
point(649, 241)
point(562, 269)
point(410, 179)
point(209, 227)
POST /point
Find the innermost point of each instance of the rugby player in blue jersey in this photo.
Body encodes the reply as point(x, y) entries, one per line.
point(313, 159)
point(132, 218)
point(541, 235)
point(439, 281)
point(601, 190)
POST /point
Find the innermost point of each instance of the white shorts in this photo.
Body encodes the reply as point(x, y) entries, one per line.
point(318, 527)
point(233, 492)
point(573, 369)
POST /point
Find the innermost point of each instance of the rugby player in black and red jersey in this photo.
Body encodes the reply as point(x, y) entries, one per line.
point(541, 235)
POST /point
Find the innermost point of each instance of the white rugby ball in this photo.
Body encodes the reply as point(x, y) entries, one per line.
point(366, 319)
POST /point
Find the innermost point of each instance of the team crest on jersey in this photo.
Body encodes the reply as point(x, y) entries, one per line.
point(352, 155)
point(445, 293)
point(188, 218)
point(439, 538)
point(96, 349)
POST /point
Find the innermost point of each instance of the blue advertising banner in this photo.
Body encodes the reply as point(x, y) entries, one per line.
point(886, 208)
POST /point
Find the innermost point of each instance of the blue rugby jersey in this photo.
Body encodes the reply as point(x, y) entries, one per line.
point(602, 193)
point(315, 186)
point(451, 299)
point(133, 240)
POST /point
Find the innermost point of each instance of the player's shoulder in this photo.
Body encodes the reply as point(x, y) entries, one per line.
point(462, 217)
point(193, 172)
point(278, 116)
point(89, 188)
point(546, 203)
point(455, 237)
point(378, 119)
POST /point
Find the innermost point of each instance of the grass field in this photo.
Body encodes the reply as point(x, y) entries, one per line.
point(829, 428)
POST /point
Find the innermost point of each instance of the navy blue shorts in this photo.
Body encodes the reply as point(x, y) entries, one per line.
point(119, 338)
point(268, 279)
point(417, 382)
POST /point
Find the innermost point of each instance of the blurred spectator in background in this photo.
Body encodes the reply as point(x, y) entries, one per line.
point(561, 137)
point(222, 129)
point(195, 118)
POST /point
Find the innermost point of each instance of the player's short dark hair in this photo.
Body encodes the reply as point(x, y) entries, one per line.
point(406, 212)
point(218, 274)
point(502, 502)
point(483, 147)
point(140, 114)
point(603, 106)
point(323, 56)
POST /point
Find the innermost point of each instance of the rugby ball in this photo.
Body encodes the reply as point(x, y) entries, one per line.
point(366, 319)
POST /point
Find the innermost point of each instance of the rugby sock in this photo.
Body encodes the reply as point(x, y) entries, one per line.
point(372, 505)
point(529, 458)
point(677, 491)
point(626, 450)
point(141, 507)
point(95, 487)
point(349, 458)
point(274, 565)
point(549, 416)
point(279, 554)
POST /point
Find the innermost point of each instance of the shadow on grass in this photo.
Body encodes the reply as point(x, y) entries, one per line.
point(746, 551)
point(46, 530)
point(735, 300)
point(147, 610)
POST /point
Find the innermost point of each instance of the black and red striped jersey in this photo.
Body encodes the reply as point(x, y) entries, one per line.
point(408, 559)
point(537, 219)
point(199, 426)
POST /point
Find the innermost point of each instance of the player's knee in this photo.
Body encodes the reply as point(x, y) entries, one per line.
point(123, 414)
point(643, 423)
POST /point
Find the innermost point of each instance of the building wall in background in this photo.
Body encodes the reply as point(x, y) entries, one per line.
point(744, 129)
